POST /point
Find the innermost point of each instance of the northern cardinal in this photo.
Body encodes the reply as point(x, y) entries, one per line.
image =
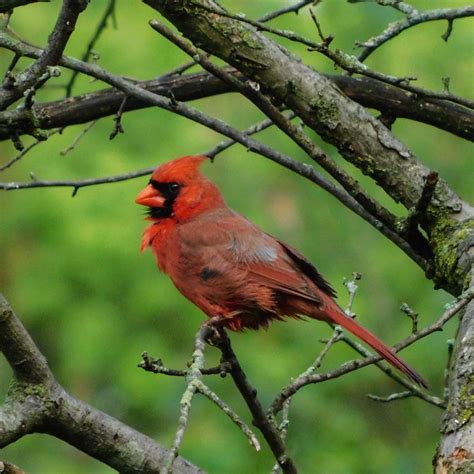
point(228, 267)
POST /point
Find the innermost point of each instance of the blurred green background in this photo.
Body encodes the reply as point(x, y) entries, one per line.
point(71, 267)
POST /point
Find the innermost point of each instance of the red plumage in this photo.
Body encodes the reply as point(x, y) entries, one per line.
point(230, 268)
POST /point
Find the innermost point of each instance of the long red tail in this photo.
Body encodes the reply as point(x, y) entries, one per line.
point(348, 323)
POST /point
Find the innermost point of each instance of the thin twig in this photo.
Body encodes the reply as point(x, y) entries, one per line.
point(118, 120)
point(346, 61)
point(283, 429)
point(193, 375)
point(347, 367)
point(412, 387)
point(26, 150)
point(413, 220)
point(109, 12)
point(156, 366)
point(204, 390)
point(392, 397)
point(249, 393)
point(79, 137)
point(413, 19)
point(258, 127)
point(295, 8)
point(413, 315)
point(447, 370)
point(352, 288)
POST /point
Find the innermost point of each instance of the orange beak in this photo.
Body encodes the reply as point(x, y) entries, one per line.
point(150, 197)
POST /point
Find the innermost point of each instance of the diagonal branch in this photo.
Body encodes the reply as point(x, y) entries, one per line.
point(345, 61)
point(109, 12)
point(249, 393)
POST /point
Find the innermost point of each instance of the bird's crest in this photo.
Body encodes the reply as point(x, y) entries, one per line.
point(181, 169)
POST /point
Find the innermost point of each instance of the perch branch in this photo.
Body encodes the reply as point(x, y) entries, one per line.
point(249, 393)
point(195, 385)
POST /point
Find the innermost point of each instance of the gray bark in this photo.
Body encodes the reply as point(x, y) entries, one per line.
point(37, 403)
point(456, 449)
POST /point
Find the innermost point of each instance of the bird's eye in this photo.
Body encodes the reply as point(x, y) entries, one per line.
point(174, 187)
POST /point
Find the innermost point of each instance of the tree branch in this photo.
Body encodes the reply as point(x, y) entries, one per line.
point(293, 387)
point(345, 61)
point(37, 403)
point(455, 452)
point(249, 393)
point(85, 108)
point(412, 19)
point(109, 12)
point(50, 56)
point(8, 5)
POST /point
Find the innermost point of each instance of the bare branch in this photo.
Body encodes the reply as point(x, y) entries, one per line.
point(249, 393)
point(194, 374)
point(195, 385)
point(292, 388)
point(295, 8)
point(76, 141)
point(413, 18)
point(26, 150)
point(392, 397)
point(345, 61)
point(413, 315)
point(37, 403)
point(156, 366)
point(204, 390)
point(58, 39)
point(109, 12)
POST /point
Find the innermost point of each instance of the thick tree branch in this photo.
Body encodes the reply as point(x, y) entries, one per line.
point(368, 92)
point(346, 61)
point(36, 403)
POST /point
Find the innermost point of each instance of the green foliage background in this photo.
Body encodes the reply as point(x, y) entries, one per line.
point(72, 270)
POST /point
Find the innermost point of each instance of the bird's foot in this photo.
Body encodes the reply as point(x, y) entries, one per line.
point(213, 327)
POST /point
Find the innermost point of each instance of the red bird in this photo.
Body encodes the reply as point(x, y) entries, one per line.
point(228, 267)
